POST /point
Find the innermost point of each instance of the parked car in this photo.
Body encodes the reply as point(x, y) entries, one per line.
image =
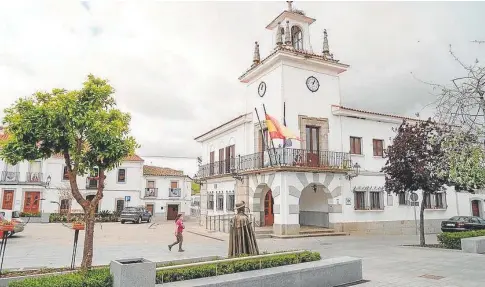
point(462, 223)
point(135, 215)
point(13, 216)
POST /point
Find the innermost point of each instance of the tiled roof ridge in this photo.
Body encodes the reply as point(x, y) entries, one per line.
point(377, 113)
point(161, 171)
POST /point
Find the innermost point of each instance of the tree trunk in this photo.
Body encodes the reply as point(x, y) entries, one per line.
point(422, 239)
point(88, 239)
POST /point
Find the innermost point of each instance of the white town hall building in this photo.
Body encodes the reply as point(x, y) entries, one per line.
point(332, 177)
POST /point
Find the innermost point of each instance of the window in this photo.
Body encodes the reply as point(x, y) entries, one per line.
point(355, 145)
point(121, 175)
point(378, 146)
point(440, 201)
point(474, 220)
point(210, 202)
point(230, 202)
point(427, 203)
point(376, 201)
point(65, 206)
point(402, 198)
point(359, 203)
point(65, 174)
point(435, 201)
point(220, 202)
point(296, 38)
point(230, 155)
point(312, 139)
point(221, 161)
point(211, 165)
point(174, 184)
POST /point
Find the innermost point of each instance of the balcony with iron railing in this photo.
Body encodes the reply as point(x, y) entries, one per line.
point(10, 177)
point(280, 158)
point(151, 192)
point(174, 192)
point(34, 177)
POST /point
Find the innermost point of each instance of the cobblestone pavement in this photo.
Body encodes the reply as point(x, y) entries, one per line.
point(385, 261)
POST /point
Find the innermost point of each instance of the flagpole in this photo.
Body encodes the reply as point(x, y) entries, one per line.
point(272, 143)
point(264, 140)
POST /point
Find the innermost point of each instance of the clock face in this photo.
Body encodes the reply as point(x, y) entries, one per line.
point(312, 84)
point(262, 89)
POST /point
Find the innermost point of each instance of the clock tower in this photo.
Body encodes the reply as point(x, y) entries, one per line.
point(295, 84)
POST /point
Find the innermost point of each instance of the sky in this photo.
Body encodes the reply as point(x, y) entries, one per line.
point(175, 65)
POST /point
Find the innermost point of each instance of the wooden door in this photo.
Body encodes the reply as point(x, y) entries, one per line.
point(32, 201)
point(172, 211)
point(268, 209)
point(7, 199)
point(312, 145)
point(475, 208)
point(220, 163)
point(149, 207)
point(211, 161)
point(120, 204)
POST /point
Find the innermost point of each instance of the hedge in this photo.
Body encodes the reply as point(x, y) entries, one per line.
point(452, 240)
point(214, 269)
point(93, 278)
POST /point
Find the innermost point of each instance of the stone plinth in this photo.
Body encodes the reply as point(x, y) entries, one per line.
point(137, 272)
point(473, 245)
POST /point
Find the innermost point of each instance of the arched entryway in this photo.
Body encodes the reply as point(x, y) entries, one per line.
point(476, 208)
point(313, 206)
point(268, 209)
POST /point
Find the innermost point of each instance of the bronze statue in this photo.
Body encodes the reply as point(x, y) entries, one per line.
point(242, 239)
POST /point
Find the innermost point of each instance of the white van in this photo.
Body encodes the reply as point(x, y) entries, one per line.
point(13, 216)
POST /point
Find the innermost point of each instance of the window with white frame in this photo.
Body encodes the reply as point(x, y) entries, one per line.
point(210, 201)
point(359, 202)
point(402, 198)
point(376, 200)
point(435, 201)
point(121, 178)
point(368, 198)
point(230, 203)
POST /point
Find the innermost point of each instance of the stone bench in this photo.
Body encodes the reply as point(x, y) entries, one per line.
point(323, 273)
point(473, 245)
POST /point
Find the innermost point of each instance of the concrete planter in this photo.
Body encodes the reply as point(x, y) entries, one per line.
point(473, 244)
point(133, 272)
point(323, 273)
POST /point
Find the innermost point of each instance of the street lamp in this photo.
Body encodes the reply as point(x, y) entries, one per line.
point(48, 181)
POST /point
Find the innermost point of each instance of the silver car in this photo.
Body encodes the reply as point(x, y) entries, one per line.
point(135, 215)
point(13, 216)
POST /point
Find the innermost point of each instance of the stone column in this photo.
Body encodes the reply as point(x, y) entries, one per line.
point(242, 190)
point(286, 208)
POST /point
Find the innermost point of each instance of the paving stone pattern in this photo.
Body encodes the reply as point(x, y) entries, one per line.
point(386, 262)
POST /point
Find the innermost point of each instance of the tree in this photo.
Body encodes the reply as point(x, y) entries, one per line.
point(466, 158)
point(83, 126)
point(416, 160)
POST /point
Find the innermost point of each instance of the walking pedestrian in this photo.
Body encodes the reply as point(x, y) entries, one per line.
point(179, 228)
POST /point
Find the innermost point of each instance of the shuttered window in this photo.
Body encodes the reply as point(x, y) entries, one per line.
point(355, 145)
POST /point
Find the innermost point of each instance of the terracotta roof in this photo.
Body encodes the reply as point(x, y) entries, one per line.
point(235, 119)
point(161, 171)
point(295, 52)
point(377, 114)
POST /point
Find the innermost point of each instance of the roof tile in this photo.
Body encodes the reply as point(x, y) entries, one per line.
point(161, 171)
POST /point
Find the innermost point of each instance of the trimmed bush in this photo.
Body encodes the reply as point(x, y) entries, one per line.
point(214, 268)
point(452, 240)
point(93, 278)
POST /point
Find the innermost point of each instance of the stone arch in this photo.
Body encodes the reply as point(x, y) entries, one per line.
point(328, 182)
point(313, 206)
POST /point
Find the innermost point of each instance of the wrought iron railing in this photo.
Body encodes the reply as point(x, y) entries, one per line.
point(222, 222)
point(34, 177)
point(10, 176)
point(174, 192)
point(277, 157)
point(151, 192)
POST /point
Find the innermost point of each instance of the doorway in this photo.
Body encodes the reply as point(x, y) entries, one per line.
point(90, 198)
point(312, 145)
point(32, 201)
point(7, 199)
point(268, 209)
point(476, 208)
point(150, 208)
point(172, 211)
point(120, 204)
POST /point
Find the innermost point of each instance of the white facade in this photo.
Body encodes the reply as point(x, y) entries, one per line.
point(41, 186)
point(310, 183)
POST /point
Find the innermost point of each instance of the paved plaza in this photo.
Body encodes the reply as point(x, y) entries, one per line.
point(386, 262)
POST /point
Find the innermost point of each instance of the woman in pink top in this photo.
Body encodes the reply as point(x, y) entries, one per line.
point(179, 228)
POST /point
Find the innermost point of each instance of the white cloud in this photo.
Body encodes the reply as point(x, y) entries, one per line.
point(175, 65)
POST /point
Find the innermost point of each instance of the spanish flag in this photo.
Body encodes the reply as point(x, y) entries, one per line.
point(277, 131)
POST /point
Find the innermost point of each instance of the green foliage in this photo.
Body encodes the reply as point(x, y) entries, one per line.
point(82, 124)
point(56, 217)
point(466, 158)
point(195, 188)
point(93, 278)
point(213, 269)
point(452, 240)
point(29, 214)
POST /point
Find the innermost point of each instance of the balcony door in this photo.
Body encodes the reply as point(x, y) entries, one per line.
point(221, 161)
point(230, 156)
point(35, 174)
point(211, 161)
point(312, 146)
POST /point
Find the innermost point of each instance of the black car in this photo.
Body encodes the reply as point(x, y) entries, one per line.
point(462, 223)
point(135, 215)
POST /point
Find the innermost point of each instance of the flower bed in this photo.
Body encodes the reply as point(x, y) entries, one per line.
point(94, 278)
point(221, 267)
point(103, 216)
point(452, 240)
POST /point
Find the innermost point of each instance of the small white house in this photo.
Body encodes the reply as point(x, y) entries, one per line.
point(331, 178)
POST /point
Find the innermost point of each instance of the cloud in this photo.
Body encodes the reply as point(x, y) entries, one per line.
point(175, 65)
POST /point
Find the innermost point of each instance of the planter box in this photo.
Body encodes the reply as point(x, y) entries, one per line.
point(473, 244)
point(323, 273)
point(137, 272)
